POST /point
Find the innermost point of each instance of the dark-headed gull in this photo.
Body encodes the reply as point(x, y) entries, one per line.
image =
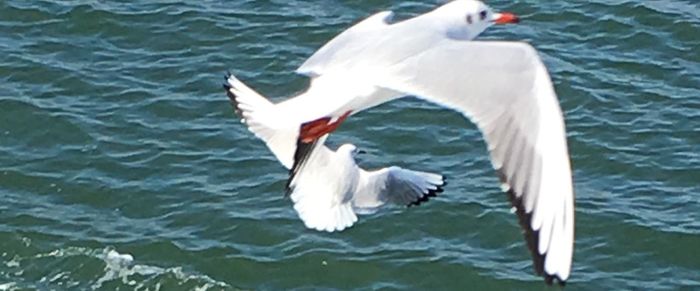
point(330, 190)
point(503, 87)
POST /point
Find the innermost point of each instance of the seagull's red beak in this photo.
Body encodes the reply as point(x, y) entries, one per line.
point(505, 17)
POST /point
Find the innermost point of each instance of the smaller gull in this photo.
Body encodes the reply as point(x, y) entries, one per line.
point(330, 190)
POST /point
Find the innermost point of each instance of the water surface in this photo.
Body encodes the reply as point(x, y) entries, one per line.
point(122, 165)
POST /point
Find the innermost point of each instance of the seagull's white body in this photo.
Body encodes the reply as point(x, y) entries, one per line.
point(503, 87)
point(331, 189)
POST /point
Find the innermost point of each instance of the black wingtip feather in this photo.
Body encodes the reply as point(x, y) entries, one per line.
point(431, 193)
point(232, 97)
point(532, 237)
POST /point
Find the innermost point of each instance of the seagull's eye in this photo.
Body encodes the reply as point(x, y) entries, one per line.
point(483, 14)
point(469, 19)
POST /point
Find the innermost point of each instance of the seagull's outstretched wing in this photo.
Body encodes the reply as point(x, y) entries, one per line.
point(262, 118)
point(346, 44)
point(395, 185)
point(505, 89)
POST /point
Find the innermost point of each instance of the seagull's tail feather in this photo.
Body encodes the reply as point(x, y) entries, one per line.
point(318, 214)
point(263, 119)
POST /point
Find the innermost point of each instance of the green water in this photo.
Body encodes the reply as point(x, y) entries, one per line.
point(117, 140)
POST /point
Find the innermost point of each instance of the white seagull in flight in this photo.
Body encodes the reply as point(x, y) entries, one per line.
point(503, 87)
point(331, 190)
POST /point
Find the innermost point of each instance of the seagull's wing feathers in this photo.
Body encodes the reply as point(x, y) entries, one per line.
point(347, 44)
point(262, 118)
point(505, 89)
point(395, 185)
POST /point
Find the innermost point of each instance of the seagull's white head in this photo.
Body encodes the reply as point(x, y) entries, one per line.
point(466, 19)
point(350, 150)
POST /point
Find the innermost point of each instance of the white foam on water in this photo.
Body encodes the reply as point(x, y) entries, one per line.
point(13, 263)
point(8, 286)
point(121, 267)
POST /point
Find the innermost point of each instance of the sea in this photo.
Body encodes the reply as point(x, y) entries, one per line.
point(124, 167)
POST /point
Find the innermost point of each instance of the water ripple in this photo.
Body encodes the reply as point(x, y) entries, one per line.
point(115, 135)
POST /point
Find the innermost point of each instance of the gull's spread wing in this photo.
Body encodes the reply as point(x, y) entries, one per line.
point(395, 185)
point(506, 90)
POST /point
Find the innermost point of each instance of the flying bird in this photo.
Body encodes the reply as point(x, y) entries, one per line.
point(503, 87)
